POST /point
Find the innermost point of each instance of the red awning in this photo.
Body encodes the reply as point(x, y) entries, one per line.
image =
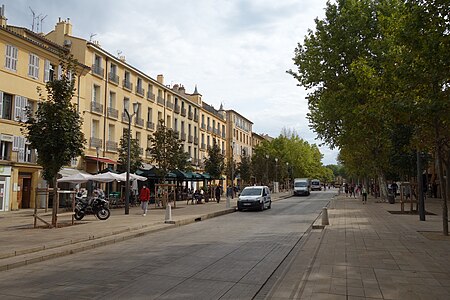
point(101, 159)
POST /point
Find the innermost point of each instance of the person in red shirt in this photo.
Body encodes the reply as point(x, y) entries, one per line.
point(144, 196)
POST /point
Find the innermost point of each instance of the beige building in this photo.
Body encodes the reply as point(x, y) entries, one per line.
point(240, 135)
point(28, 62)
point(256, 140)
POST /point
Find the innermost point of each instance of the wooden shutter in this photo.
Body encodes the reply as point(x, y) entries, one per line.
point(1, 105)
point(16, 143)
point(21, 154)
point(46, 70)
point(17, 108)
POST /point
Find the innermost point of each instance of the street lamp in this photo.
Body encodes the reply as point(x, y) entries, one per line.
point(96, 149)
point(267, 169)
point(232, 170)
point(127, 183)
point(276, 176)
point(288, 177)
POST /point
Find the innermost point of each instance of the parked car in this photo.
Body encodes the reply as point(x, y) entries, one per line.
point(255, 197)
point(315, 185)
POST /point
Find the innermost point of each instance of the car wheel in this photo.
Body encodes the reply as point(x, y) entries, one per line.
point(261, 208)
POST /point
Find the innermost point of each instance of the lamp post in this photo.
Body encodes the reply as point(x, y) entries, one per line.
point(276, 175)
point(127, 183)
point(267, 169)
point(97, 149)
point(288, 177)
point(232, 170)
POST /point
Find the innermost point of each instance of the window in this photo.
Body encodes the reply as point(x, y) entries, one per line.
point(149, 114)
point(96, 94)
point(112, 100)
point(182, 127)
point(49, 71)
point(113, 70)
point(11, 58)
point(5, 106)
point(5, 150)
point(95, 128)
point(111, 131)
point(20, 106)
point(138, 138)
point(33, 66)
point(126, 104)
point(175, 124)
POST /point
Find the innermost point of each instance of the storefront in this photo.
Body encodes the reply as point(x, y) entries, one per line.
point(5, 187)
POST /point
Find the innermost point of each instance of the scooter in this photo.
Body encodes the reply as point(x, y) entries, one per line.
point(94, 206)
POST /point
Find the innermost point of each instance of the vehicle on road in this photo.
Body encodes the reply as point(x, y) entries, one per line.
point(302, 186)
point(315, 185)
point(255, 197)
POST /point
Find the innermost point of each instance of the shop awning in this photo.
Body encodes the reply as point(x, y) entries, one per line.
point(101, 159)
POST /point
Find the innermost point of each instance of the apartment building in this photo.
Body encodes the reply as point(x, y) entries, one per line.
point(28, 61)
point(239, 137)
point(256, 140)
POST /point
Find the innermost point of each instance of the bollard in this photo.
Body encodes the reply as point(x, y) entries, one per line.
point(228, 204)
point(325, 216)
point(168, 214)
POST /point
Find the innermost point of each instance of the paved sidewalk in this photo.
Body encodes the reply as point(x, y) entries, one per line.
point(368, 253)
point(22, 244)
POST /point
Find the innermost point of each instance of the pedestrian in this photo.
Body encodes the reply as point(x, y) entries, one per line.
point(364, 194)
point(144, 196)
point(346, 189)
point(394, 188)
point(218, 193)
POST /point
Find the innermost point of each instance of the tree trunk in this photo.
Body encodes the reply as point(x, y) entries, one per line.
point(443, 188)
point(55, 201)
point(383, 186)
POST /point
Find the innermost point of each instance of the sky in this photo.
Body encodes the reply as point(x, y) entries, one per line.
point(236, 52)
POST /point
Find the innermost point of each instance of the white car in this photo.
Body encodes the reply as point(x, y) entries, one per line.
point(255, 197)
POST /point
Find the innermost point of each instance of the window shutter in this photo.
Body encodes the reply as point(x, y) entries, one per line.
point(24, 116)
point(14, 59)
point(30, 65)
point(8, 60)
point(16, 142)
point(17, 108)
point(46, 70)
point(1, 104)
point(21, 154)
point(59, 72)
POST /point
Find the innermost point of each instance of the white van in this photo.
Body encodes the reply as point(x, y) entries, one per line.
point(315, 185)
point(302, 186)
point(254, 197)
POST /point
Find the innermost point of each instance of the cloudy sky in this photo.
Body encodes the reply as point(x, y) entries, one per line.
point(236, 51)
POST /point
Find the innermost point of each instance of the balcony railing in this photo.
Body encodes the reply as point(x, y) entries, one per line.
point(183, 136)
point(140, 91)
point(95, 142)
point(196, 117)
point(127, 85)
point(223, 134)
point(150, 125)
point(176, 134)
point(183, 112)
point(139, 122)
point(169, 104)
point(97, 70)
point(111, 146)
point(209, 128)
point(195, 140)
point(203, 146)
point(190, 115)
point(160, 100)
point(203, 126)
point(125, 117)
point(113, 77)
point(150, 96)
point(113, 113)
point(190, 138)
point(96, 107)
point(177, 108)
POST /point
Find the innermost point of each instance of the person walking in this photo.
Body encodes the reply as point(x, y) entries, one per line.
point(218, 193)
point(144, 196)
point(364, 194)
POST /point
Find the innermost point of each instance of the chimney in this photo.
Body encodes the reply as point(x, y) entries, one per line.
point(62, 29)
point(182, 90)
point(160, 78)
point(3, 19)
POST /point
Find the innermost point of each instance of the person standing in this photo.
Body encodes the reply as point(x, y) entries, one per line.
point(144, 196)
point(218, 193)
point(364, 194)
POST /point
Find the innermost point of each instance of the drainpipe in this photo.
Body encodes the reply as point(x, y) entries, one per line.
point(105, 110)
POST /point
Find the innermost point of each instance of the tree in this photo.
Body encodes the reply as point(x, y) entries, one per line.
point(214, 163)
point(244, 169)
point(135, 154)
point(166, 149)
point(54, 130)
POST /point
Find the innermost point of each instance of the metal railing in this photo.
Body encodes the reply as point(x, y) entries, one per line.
point(127, 85)
point(150, 96)
point(111, 146)
point(139, 122)
point(113, 113)
point(98, 70)
point(96, 107)
point(150, 125)
point(113, 77)
point(140, 91)
point(95, 142)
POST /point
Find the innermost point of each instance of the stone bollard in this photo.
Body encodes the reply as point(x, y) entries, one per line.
point(325, 216)
point(228, 204)
point(168, 218)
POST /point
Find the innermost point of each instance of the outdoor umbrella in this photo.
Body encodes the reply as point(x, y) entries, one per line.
point(77, 178)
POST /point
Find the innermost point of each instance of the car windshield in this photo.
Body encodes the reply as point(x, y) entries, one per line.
point(300, 184)
point(315, 183)
point(251, 192)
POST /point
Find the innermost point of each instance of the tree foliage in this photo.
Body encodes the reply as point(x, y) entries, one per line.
point(54, 130)
point(215, 162)
point(135, 154)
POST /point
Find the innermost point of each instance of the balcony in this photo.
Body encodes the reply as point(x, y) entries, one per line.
point(160, 100)
point(219, 132)
point(190, 115)
point(124, 117)
point(111, 146)
point(195, 140)
point(176, 134)
point(113, 113)
point(203, 146)
point(139, 122)
point(190, 138)
point(196, 117)
point(183, 112)
point(203, 126)
point(183, 136)
point(223, 135)
point(96, 107)
point(169, 104)
point(150, 96)
point(150, 125)
point(209, 128)
point(177, 108)
point(95, 142)
point(98, 70)
point(127, 85)
point(113, 77)
point(139, 91)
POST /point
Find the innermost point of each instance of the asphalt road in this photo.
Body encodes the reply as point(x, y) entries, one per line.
point(228, 257)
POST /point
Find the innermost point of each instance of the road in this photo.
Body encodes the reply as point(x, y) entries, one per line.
point(228, 257)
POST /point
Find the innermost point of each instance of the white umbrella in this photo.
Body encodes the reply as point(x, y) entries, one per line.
point(132, 177)
point(76, 178)
point(107, 177)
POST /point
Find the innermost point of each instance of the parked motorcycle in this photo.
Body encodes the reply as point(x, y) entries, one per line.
point(94, 206)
